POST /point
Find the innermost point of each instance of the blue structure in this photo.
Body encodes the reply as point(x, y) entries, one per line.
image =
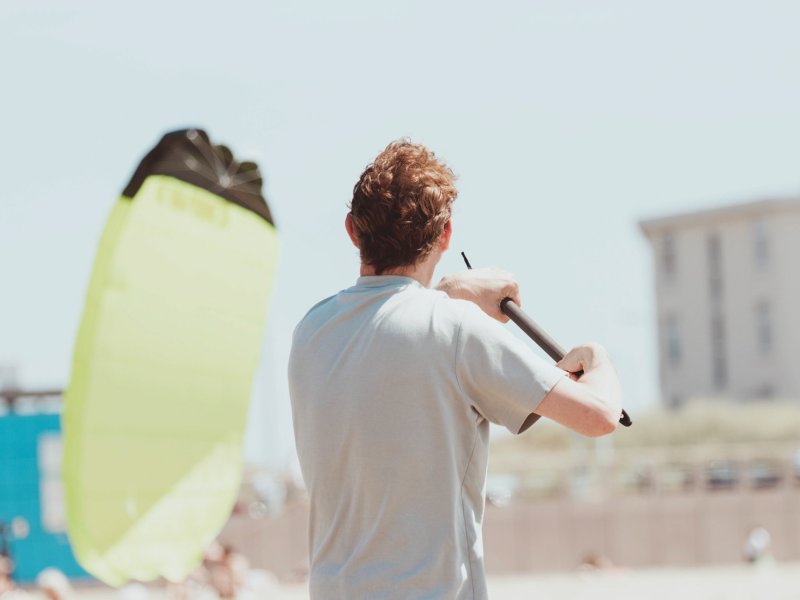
point(31, 500)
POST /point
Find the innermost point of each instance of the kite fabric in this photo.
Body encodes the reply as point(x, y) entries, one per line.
point(168, 344)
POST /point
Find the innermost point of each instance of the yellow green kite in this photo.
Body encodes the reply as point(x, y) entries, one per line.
point(164, 360)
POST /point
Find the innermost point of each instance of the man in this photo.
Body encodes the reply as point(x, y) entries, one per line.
point(393, 386)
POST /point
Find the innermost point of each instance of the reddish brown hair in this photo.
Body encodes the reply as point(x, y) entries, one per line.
point(400, 206)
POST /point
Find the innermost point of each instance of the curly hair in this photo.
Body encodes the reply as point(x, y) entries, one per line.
point(400, 206)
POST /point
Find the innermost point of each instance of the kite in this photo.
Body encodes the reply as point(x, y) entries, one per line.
point(168, 344)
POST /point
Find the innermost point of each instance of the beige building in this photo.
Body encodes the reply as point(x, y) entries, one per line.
point(727, 286)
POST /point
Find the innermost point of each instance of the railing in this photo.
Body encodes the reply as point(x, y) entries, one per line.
point(686, 469)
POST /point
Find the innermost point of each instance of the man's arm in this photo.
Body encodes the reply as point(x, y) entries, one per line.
point(590, 405)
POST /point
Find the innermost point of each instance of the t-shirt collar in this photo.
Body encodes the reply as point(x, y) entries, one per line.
point(378, 281)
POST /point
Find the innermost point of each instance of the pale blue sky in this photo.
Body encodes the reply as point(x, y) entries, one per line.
point(566, 122)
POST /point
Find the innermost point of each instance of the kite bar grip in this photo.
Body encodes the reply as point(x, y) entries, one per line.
point(512, 310)
point(544, 341)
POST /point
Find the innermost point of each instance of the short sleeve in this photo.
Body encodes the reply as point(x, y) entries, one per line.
point(501, 376)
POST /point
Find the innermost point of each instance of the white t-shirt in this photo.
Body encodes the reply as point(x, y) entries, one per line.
point(393, 386)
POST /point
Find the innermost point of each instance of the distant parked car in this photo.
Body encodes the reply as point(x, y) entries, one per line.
point(722, 474)
point(765, 473)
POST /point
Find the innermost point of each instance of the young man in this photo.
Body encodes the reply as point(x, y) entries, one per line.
point(393, 385)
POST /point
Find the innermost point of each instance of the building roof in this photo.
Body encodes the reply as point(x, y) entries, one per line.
point(721, 213)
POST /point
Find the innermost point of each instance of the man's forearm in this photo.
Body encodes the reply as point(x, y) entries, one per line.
point(591, 405)
point(601, 377)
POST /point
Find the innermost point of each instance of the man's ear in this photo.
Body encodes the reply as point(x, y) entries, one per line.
point(348, 225)
point(446, 235)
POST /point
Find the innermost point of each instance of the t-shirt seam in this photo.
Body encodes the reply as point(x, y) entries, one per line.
point(464, 514)
point(455, 355)
point(469, 460)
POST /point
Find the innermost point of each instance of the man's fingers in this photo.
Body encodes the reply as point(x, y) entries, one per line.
point(510, 288)
point(487, 287)
point(571, 362)
point(513, 292)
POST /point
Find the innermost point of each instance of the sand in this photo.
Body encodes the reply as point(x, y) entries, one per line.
point(741, 582)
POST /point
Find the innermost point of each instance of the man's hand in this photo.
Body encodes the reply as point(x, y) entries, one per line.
point(592, 404)
point(583, 358)
point(486, 287)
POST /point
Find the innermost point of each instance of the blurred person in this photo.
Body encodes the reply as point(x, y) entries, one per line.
point(757, 546)
point(299, 572)
point(16, 594)
point(227, 571)
point(6, 582)
point(258, 584)
point(192, 588)
point(6, 563)
point(595, 562)
point(8, 589)
point(393, 385)
point(197, 585)
point(133, 591)
point(238, 566)
point(54, 584)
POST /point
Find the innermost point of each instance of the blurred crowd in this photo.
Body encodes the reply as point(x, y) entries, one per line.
point(224, 574)
point(51, 584)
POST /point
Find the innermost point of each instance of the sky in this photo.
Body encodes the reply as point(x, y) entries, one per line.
point(566, 122)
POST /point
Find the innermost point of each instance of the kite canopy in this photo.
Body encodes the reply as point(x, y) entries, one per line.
point(167, 348)
point(189, 155)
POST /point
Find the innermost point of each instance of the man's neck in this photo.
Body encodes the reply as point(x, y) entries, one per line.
point(421, 271)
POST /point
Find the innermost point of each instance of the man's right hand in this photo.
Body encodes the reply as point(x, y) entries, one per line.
point(582, 358)
point(592, 404)
point(486, 287)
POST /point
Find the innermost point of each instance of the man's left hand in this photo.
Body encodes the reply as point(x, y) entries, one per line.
point(486, 287)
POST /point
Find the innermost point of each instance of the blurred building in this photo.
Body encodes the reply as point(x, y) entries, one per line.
point(727, 286)
point(33, 532)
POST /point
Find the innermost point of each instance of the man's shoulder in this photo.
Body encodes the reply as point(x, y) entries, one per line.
point(423, 302)
point(458, 312)
point(321, 307)
point(469, 314)
point(452, 309)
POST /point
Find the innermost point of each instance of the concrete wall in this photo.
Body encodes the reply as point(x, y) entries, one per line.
point(787, 282)
point(692, 528)
point(641, 531)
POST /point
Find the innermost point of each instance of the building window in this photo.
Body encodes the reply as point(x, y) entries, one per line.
point(672, 336)
point(760, 243)
point(764, 329)
point(668, 256)
point(714, 251)
point(51, 489)
point(719, 366)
